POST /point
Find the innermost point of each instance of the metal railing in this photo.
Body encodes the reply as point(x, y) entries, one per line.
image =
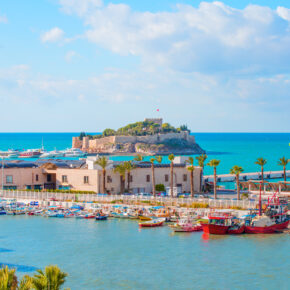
point(126, 199)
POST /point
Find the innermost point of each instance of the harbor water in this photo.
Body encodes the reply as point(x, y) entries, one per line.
point(231, 148)
point(116, 254)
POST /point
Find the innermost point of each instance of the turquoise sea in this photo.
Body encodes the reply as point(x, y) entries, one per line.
point(231, 148)
point(116, 254)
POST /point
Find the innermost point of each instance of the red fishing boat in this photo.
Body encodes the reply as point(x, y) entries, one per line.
point(273, 219)
point(218, 224)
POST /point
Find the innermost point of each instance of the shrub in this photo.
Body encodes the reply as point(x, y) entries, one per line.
point(160, 187)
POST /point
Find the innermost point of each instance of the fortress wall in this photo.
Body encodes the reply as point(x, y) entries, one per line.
point(94, 143)
point(87, 144)
point(76, 142)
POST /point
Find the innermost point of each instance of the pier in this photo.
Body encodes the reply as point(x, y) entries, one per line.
point(248, 176)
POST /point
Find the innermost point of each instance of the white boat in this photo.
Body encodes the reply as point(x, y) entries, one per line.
point(73, 152)
point(52, 154)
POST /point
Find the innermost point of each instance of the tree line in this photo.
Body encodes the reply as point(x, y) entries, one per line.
point(124, 169)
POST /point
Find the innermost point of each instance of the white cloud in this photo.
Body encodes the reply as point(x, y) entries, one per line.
point(205, 102)
point(53, 35)
point(211, 38)
point(70, 55)
point(80, 7)
point(3, 19)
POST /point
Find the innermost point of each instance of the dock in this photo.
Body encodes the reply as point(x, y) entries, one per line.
point(245, 176)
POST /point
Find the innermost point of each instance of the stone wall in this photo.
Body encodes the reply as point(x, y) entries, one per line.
point(100, 144)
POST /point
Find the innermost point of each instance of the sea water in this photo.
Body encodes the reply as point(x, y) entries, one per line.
point(116, 254)
point(231, 148)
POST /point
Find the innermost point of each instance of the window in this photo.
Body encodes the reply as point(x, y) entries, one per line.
point(9, 179)
point(148, 178)
point(86, 179)
point(184, 177)
point(48, 178)
point(36, 177)
point(166, 178)
point(131, 178)
point(64, 178)
point(109, 179)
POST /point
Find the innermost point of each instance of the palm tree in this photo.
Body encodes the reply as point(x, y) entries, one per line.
point(129, 167)
point(191, 170)
point(51, 279)
point(262, 162)
point(8, 279)
point(237, 170)
point(25, 283)
point(153, 176)
point(121, 169)
point(138, 157)
point(103, 162)
point(283, 162)
point(214, 163)
point(171, 158)
point(201, 163)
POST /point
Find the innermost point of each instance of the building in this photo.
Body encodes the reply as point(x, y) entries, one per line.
point(85, 176)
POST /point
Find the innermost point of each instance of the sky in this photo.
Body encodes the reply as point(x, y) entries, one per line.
point(87, 65)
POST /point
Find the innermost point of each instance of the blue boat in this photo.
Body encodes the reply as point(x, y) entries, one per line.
point(101, 217)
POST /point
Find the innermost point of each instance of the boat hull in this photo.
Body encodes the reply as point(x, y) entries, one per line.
point(214, 229)
point(267, 230)
point(187, 229)
point(238, 231)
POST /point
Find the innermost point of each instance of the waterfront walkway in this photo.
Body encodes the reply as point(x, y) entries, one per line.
point(90, 200)
point(248, 176)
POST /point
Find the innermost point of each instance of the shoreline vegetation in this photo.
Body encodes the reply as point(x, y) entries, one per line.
point(142, 128)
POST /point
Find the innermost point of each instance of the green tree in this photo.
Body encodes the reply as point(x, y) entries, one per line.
point(129, 167)
point(283, 162)
point(261, 162)
point(51, 279)
point(201, 163)
point(109, 132)
point(160, 187)
point(121, 169)
point(190, 168)
point(171, 158)
point(214, 163)
point(138, 158)
point(237, 170)
point(103, 163)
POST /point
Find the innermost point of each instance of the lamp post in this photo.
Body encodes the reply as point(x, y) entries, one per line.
point(2, 174)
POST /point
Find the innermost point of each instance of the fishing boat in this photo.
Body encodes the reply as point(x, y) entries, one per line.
point(272, 220)
point(101, 217)
point(186, 225)
point(153, 223)
point(218, 223)
point(144, 218)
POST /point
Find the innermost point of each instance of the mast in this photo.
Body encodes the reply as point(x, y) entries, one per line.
point(260, 200)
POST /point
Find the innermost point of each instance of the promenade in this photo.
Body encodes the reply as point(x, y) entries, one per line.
point(88, 200)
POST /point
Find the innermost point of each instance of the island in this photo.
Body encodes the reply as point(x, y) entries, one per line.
point(149, 137)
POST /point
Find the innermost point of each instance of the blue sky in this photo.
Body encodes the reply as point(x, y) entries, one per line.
point(83, 65)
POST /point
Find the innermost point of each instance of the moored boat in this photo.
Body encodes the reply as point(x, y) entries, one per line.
point(218, 224)
point(153, 223)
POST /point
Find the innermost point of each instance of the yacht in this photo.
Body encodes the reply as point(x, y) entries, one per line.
point(73, 152)
point(52, 154)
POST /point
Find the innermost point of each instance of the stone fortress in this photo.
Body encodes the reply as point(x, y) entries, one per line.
point(166, 143)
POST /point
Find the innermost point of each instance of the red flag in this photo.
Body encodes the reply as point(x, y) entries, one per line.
point(157, 110)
